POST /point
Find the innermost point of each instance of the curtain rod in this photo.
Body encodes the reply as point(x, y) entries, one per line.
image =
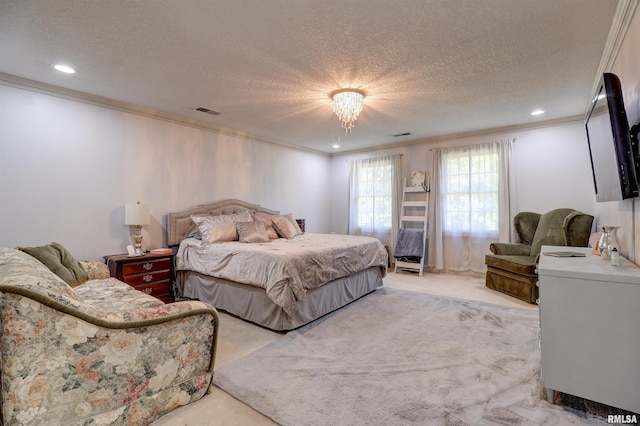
point(373, 158)
point(475, 144)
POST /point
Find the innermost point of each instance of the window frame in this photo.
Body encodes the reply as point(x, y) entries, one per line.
point(473, 176)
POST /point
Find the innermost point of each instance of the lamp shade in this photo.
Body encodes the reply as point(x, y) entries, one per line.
point(137, 214)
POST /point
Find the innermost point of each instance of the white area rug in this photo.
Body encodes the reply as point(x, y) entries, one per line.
point(402, 358)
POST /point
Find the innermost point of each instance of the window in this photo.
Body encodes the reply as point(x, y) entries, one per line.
point(373, 196)
point(472, 204)
point(469, 190)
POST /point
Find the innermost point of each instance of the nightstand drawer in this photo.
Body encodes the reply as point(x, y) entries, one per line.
point(147, 278)
point(159, 289)
point(145, 266)
point(152, 274)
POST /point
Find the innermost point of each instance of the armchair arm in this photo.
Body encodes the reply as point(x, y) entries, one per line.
point(112, 304)
point(95, 269)
point(136, 369)
point(515, 249)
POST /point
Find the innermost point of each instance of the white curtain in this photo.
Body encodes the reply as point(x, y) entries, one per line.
point(374, 202)
point(471, 208)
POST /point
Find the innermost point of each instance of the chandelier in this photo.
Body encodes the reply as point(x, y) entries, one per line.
point(347, 104)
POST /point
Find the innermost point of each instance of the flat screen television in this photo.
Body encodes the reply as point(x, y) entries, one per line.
point(612, 154)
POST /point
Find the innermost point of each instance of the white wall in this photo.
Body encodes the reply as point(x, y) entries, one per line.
point(551, 164)
point(551, 169)
point(626, 214)
point(68, 167)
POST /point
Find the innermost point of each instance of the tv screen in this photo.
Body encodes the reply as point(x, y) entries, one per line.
point(612, 157)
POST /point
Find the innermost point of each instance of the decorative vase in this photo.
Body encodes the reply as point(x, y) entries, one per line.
point(608, 240)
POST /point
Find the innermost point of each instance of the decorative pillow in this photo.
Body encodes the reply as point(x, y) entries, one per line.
point(60, 261)
point(266, 219)
point(284, 227)
point(252, 232)
point(220, 229)
point(294, 222)
point(95, 270)
point(25, 271)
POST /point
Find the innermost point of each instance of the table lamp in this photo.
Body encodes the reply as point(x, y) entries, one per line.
point(137, 215)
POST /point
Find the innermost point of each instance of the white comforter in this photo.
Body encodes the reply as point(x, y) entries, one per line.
point(286, 269)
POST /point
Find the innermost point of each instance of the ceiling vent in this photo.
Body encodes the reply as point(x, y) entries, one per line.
point(208, 111)
point(401, 134)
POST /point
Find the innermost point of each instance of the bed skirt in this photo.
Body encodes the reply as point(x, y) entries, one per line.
point(252, 304)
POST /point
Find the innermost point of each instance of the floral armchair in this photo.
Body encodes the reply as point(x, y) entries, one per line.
point(100, 353)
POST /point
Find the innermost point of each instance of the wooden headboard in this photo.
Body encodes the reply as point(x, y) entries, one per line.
point(179, 224)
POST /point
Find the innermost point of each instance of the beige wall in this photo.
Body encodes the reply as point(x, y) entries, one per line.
point(67, 168)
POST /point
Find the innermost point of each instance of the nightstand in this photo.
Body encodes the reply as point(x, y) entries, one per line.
point(151, 274)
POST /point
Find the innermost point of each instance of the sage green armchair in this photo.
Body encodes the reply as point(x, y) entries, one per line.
point(511, 268)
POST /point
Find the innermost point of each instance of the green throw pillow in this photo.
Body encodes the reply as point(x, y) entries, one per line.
point(60, 261)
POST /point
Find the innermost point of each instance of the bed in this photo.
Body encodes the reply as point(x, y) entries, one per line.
point(273, 284)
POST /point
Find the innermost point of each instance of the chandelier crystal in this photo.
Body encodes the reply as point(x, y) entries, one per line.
point(347, 104)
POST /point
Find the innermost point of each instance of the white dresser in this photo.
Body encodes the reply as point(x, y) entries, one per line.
point(590, 327)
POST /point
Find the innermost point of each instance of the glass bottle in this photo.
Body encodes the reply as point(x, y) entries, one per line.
point(608, 240)
point(615, 257)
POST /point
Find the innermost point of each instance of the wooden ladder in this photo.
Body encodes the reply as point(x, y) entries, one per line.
point(413, 215)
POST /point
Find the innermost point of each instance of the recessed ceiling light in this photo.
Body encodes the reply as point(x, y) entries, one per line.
point(537, 112)
point(335, 146)
point(64, 68)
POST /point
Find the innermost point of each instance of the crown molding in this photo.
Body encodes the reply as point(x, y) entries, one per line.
point(622, 19)
point(74, 95)
point(452, 136)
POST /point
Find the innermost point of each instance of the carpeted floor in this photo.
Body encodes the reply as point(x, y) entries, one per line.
point(237, 339)
point(402, 358)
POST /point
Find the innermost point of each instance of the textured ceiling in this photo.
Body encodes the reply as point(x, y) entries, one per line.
point(429, 67)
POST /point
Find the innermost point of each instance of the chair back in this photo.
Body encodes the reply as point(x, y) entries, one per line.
point(552, 229)
point(526, 224)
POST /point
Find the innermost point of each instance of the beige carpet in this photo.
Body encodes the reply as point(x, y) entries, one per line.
point(238, 339)
point(402, 358)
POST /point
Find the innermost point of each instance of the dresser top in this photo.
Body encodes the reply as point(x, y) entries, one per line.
point(124, 258)
point(590, 267)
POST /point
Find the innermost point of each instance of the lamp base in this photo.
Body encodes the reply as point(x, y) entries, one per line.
point(137, 238)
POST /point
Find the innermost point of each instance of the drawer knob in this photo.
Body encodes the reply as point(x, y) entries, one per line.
point(147, 290)
point(148, 266)
point(147, 278)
